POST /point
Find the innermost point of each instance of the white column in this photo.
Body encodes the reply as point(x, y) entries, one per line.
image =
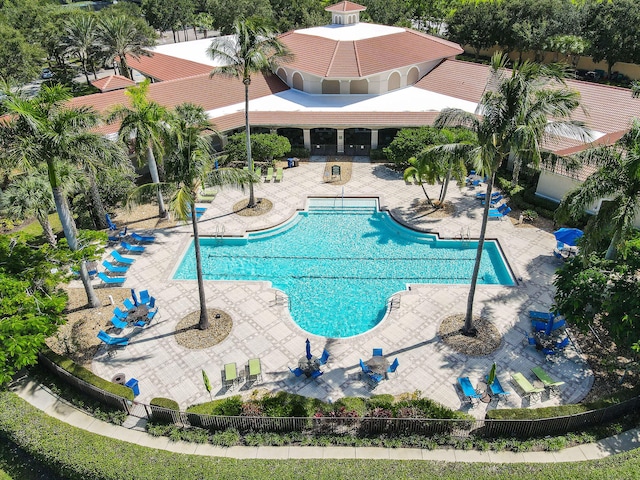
point(374, 139)
point(340, 141)
point(306, 137)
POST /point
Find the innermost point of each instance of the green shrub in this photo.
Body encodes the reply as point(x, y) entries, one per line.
point(88, 376)
point(380, 401)
point(357, 404)
point(228, 438)
point(164, 403)
point(531, 413)
point(378, 154)
point(231, 406)
point(299, 152)
point(284, 404)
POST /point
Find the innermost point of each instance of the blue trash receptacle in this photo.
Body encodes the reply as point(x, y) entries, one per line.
point(132, 383)
point(290, 162)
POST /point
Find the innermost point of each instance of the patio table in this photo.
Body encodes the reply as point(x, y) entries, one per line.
point(138, 312)
point(309, 365)
point(378, 364)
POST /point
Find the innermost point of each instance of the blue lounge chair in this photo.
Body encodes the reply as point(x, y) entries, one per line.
point(393, 367)
point(113, 268)
point(132, 248)
point(111, 280)
point(120, 259)
point(496, 388)
point(377, 352)
point(110, 224)
point(128, 304)
point(144, 297)
point(482, 195)
point(120, 314)
point(316, 373)
point(297, 371)
point(493, 200)
point(497, 213)
point(562, 344)
point(109, 340)
point(120, 324)
point(467, 389)
point(325, 356)
point(143, 238)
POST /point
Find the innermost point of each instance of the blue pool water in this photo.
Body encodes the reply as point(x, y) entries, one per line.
point(340, 262)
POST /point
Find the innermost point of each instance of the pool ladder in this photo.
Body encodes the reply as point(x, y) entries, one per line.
point(465, 236)
point(219, 232)
point(280, 300)
point(394, 302)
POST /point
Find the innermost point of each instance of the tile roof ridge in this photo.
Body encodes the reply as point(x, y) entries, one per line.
point(333, 57)
point(434, 38)
point(357, 55)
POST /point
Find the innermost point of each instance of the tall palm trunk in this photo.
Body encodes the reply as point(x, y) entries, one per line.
point(204, 315)
point(247, 82)
point(445, 186)
point(612, 249)
point(468, 328)
point(43, 219)
point(425, 192)
point(99, 213)
point(70, 233)
point(155, 178)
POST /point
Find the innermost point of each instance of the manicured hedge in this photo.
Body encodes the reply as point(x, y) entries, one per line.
point(77, 454)
point(88, 376)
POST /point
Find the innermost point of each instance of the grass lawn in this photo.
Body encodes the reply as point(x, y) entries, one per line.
point(35, 229)
point(74, 451)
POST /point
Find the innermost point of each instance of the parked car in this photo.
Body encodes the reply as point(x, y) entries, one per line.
point(46, 74)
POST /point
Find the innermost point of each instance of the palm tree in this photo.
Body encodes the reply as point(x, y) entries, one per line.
point(189, 167)
point(43, 129)
point(145, 123)
point(81, 38)
point(122, 35)
point(515, 118)
point(30, 195)
point(425, 170)
point(618, 182)
point(251, 49)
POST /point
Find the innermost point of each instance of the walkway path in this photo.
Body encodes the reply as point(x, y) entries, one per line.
point(45, 400)
point(266, 330)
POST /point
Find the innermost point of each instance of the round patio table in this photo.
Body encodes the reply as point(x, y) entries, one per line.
point(482, 389)
point(309, 365)
point(378, 364)
point(138, 312)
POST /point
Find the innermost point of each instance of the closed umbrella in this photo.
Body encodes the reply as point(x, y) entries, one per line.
point(133, 296)
point(308, 349)
point(568, 236)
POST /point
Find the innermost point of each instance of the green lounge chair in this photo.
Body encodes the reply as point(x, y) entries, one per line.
point(279, 174)
point(258, 172)
point(254, 369)
point(269, 175)
point(229, 375)
point(525, 386)
point(546, 379)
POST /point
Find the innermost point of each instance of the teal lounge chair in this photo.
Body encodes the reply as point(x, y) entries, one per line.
point(132, 248)
point(143, 238)
point(119, 324)
point(469, 392)
point(118, 281)
point(109, 340)
point(120, 259)
point(113, 268)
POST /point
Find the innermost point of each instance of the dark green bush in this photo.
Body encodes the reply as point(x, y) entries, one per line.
point(298, 152)
point(231, 406)
point(165, 403)
point(357, 404)
point(378, 154)
point(380, 401)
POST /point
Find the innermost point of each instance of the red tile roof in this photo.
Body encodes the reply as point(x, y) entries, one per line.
point(346, 6)
point(163, 67)
point(112, 82)
point(338, 59)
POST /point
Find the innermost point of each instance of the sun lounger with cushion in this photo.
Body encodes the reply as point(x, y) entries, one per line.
point(546, 379)
point(269, 175)
point(120, 259)
point(114, 268)
point(254, 369)
point(279, 174)
point(496, 388)
point(143, 238)
point(229, 374)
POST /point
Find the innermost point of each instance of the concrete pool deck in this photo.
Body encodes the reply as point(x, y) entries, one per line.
point(263, 327)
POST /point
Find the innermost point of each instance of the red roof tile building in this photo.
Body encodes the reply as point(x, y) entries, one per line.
point(350, 86)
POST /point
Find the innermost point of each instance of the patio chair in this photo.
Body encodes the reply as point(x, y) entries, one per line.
point(254, 369)
point(325, 356)
point(365, 368)
point(394, 366)
point(120, 314)
point(113, 268)
point(269, 175)
point(316, 373)
point(376, 378)
point(143, 238)
point(482, 195)
point(106, 280)
point(538, 326)
point(296, 371)
point(109, 340)
point(229, 375)
point(151, 314)
point(377, 352)
point(152, 302)
point(525, 386)
point(118, 323)
point(496, 388)
point(128, 304)
point(468, 391)
point(110, 224)
point(120, 259)
point(564, 343)
point(279, 174)
point(258, 172)
point(494, 200)
point(132, 248)
point(144, 297)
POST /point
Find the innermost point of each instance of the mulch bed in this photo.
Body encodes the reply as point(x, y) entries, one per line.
point(188, 335)
point(261, 207)
point(487, 340)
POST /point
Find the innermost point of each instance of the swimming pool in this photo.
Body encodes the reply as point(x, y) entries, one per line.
point(340, 261)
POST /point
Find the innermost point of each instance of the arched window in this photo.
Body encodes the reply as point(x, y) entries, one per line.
point(331, 86)
point(359, 86)
point(282, 73)
point(412, 76)
point(393, 82)
point(298, 82)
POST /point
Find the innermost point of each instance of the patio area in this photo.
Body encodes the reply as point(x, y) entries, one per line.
point(263, 328)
